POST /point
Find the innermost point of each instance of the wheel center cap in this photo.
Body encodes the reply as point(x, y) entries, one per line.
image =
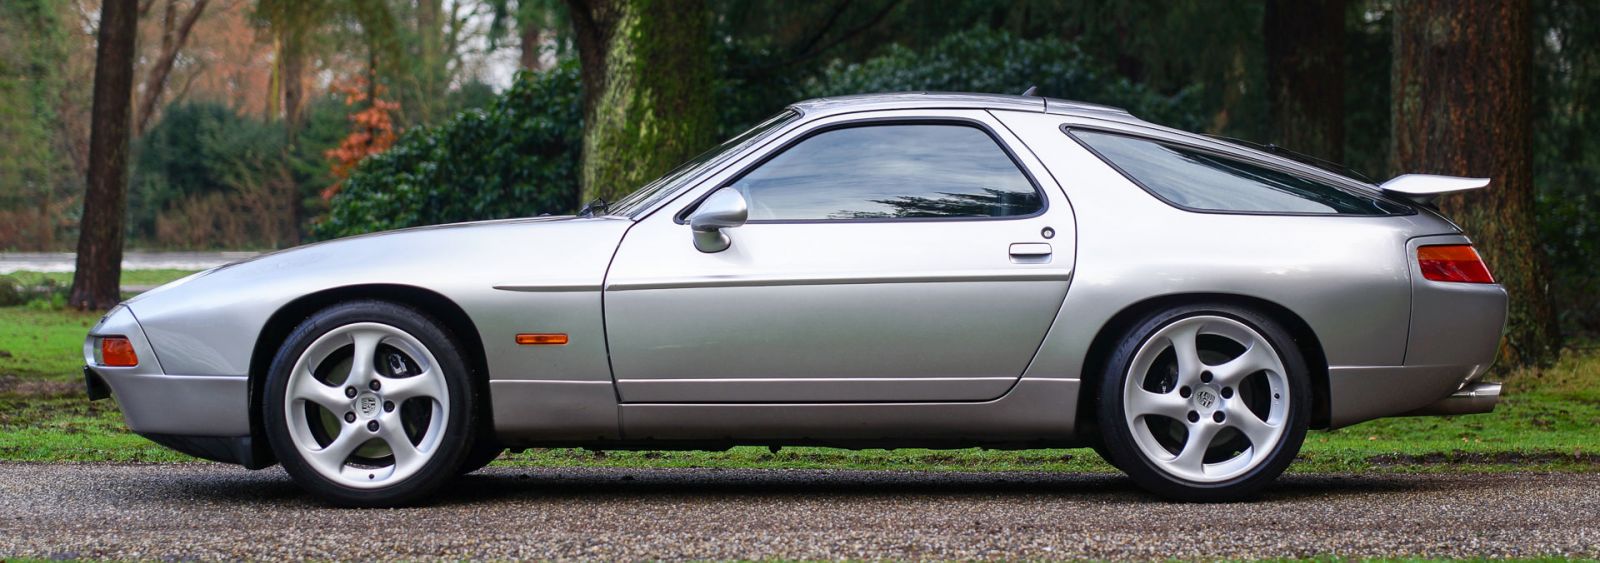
point(1206, 399)
point(368, 405)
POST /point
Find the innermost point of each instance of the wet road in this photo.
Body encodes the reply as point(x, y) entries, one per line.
point(212, 511)
point(133, 260)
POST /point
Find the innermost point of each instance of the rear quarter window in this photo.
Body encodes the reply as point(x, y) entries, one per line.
point(1200, 180)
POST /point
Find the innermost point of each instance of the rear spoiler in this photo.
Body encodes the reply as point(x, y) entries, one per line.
point(1422, 188)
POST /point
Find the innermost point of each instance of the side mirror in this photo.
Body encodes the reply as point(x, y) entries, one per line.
point(725, 209)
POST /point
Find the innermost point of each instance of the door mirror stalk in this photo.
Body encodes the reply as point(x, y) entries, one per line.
point(725, 209)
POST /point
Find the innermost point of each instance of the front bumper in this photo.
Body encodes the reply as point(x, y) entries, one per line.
point(205, 416)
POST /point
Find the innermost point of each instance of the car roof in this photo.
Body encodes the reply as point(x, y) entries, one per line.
point(959, 100)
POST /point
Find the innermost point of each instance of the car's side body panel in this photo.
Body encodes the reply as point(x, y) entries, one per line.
point(1035, 413)
point(837, 311)
point(550, 278)
point(1347, 277)
point(205, 329)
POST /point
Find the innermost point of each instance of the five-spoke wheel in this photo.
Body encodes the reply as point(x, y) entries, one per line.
point(1204, 403)
point(368, 404)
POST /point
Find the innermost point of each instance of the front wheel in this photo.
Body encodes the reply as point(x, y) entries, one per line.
point(1205, 403)
point(369, 403)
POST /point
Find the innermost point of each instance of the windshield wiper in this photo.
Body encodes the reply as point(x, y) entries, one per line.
point(597, 207)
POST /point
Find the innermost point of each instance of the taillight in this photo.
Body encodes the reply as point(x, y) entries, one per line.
point(117, 351)
point(1453, 263)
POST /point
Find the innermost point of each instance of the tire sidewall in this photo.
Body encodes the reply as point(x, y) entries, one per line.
point(1119, 440)
point(460, 423)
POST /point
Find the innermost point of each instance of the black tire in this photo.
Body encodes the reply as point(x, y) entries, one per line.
point(1099, 447)
point(458, 434)
point(480, 457)
point(1124, 452)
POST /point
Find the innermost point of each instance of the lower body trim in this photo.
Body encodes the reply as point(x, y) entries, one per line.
point(236, 449)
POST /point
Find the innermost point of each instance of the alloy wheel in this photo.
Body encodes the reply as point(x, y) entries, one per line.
point(1206, 399)
point(367, 405)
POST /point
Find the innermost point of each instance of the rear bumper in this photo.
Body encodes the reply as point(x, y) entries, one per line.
point(1454, 336)
point(1477, 398)
point(1359, 394)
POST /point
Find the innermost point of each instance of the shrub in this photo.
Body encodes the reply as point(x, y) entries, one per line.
point(206, 152)
point(10, 292)
point(983, 60)
point(46, 293)
point(516, 157)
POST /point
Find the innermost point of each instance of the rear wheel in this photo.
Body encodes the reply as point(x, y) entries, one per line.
point(368, 404)
point(1204, 403)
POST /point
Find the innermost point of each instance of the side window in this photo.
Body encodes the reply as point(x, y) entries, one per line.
point(1201, 180)
point(890, 172)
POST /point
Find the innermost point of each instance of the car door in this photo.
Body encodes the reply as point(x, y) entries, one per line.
point(887, 256)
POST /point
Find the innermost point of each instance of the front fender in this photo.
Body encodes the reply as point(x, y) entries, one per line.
point(207, 324)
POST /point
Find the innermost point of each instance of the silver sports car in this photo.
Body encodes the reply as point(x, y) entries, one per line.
point(883, 271)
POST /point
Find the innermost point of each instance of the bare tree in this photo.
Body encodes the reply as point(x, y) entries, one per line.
point(174, 34)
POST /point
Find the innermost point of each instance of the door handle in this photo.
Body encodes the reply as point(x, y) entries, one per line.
point(1030, 249)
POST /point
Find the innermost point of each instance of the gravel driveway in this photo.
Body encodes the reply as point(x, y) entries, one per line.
point(213, 512)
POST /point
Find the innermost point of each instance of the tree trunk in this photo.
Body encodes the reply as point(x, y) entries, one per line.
point(172, 41)
point(432, 75)
point(290, 74)
point(95, 283)
point(1305, 75)
point(646, 89)
point(532, 42)
point(1462, 106)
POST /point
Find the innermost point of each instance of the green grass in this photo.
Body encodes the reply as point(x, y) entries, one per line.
point(63, 425)
point(1548, 421)
point(42, 345)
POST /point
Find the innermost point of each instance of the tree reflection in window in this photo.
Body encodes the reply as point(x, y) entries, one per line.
point(990, 203)
point(890, 171)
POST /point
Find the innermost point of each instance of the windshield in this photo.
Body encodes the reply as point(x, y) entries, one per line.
point(668, 183)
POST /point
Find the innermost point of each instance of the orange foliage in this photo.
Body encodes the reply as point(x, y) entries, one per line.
point(372, 132)
point(227, 58)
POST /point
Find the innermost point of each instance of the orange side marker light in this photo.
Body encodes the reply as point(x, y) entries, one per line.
point(118, 352)
point(542, 338)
